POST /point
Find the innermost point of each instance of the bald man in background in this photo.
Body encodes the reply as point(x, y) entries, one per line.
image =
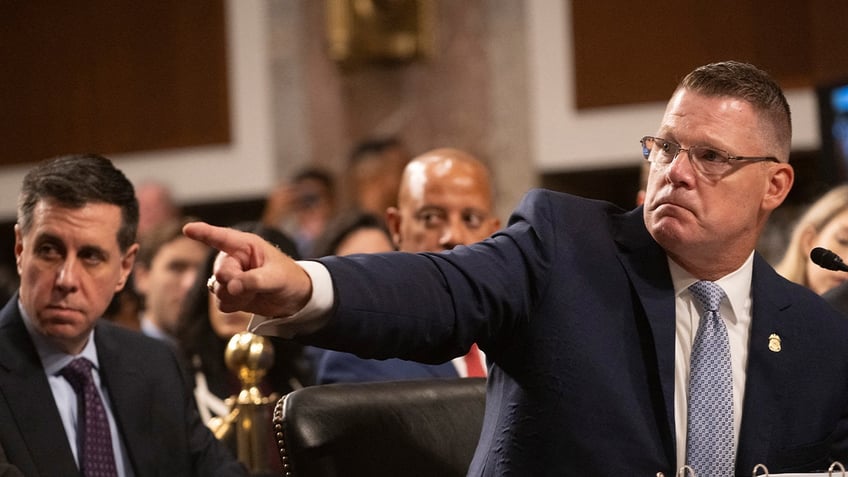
point(156, 206)
point(445, 200)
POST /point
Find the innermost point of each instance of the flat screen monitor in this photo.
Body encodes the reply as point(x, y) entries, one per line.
point(833, 121)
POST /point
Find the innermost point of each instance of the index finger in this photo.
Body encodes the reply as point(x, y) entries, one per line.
point(225, 239)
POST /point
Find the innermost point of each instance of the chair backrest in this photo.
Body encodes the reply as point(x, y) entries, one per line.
point(399, 428)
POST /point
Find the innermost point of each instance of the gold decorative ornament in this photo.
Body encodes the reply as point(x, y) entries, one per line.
point(379, 31)
point(249, 421)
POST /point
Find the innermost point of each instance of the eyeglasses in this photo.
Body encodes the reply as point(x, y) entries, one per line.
point(706, 160)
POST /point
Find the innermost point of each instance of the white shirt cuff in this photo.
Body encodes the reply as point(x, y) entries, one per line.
point(311, 317)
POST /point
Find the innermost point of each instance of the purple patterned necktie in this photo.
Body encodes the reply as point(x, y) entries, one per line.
point(709, 434)
point(94, 440)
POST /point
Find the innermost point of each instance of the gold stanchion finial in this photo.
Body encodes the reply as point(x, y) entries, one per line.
point(249, 356)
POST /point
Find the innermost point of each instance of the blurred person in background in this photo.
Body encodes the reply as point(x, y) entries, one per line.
point(166, 266)
point(373, 174)
point(352, 232)
point(156, 206)
point(302, 207)
point(445, 200)
point(823, 224)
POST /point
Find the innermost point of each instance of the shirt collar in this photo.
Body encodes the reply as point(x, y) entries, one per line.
point(736, 284)
point(52, 358)
point(151, 329)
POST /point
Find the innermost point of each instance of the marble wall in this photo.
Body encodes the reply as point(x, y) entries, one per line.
point(471, 94)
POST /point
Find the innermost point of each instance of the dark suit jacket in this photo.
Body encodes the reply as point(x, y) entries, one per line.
point(573, 302)
point(7, 469)
point(339, 367)
point(838, 297)
point(150, 394)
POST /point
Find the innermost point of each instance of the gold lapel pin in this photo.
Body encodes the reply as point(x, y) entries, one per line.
point(774, 343)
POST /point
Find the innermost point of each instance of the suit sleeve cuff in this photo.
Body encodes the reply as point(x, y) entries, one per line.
point(311, 317)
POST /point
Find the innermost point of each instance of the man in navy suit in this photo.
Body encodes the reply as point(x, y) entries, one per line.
point(445, 200)
point(75, 247)
point(585, 309)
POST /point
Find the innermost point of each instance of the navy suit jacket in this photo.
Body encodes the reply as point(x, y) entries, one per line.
point(151, 399)
point(573, 303)
point(7, 469)
point(340, 367)
point(838, 297)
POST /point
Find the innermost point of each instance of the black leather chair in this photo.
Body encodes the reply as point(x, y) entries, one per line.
point(399, 428)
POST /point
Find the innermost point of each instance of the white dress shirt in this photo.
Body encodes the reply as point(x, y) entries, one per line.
point(311, 317)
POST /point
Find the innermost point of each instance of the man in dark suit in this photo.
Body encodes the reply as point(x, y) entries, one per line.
point(590, 314)
point(445, 200)
point(75, 247)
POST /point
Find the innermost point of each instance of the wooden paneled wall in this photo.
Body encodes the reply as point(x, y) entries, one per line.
point(111, 76)
point(629, 51)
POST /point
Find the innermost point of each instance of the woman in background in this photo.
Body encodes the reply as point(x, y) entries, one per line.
point(354, 232)
point(823, 224)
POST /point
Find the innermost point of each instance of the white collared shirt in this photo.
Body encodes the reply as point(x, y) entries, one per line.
point(735, 310)
point(311, 317)
point(151, 329)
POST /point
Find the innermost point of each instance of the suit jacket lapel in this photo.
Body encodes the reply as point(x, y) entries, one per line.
point(647, 267)
point(129, 397)
point(765, 377)
point(25, 389)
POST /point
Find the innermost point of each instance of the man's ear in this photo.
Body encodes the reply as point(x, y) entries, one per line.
point(781, 178)
point(19, 247)
point(393, 220)
point(141, 272)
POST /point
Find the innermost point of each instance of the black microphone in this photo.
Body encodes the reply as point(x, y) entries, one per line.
point(827, 259)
